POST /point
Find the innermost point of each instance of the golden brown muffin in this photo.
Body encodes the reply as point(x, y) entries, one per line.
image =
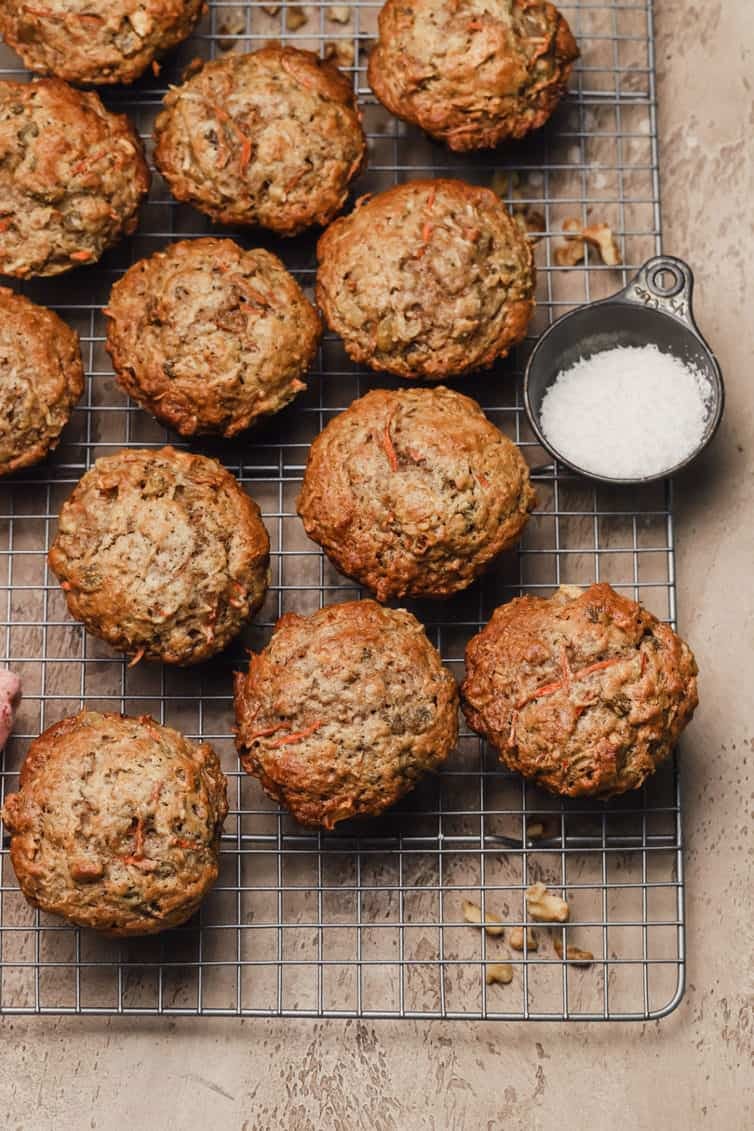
point(86, 42)
point(210, 337)
point(41, 378)
point(162, 554)
point(584, 693)
point(117, 823)
point(413, 492)
point(472, 72)
point(272, 138)
point(430, 279)
point(72, 177)
point(344, 711)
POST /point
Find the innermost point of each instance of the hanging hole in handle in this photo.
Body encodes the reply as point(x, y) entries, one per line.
point(666, 280)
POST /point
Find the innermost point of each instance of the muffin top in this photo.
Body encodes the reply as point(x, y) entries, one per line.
point(344, 710)
point(116, 824)
point(72, 176)
point(472, 72)
point(272, 138)
point(41, 378)
point(90, 43)
point(584, 693)
point(413, 492)
point(210, 337)
point(430, 279)
point(162, 554)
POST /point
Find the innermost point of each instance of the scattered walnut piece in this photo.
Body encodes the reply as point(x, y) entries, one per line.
point(340, 51)
point(233, 23)
point(531, 222)
point(544, 907)
point(573, 953)
point(295, 18)
point(535, 830)
point(516, 938)
point(601, 237)
point(339, 14)
point(501, 972)
point(598, 236)
point(473, 914)
point(271, 9)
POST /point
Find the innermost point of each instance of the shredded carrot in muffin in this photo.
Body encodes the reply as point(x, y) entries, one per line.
point(299, 734)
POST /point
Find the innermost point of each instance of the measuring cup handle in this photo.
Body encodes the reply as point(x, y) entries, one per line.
point(664, 283)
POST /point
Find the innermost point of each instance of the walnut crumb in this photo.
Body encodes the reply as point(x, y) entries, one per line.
point(500, 972)
point(339, 14)
point(544, 907)
point(295, 18)
point(472, 913)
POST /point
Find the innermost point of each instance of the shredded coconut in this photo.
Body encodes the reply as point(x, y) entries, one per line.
point(627, 412)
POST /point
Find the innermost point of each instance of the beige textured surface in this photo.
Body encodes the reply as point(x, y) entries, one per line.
point(691, 1071)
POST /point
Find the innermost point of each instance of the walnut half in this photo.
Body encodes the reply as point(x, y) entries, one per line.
point(544, 907)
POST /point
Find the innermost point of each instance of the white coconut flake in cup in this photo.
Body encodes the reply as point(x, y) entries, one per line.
point(626, 413)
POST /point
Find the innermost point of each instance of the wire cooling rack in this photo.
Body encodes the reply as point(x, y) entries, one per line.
point(368, 921)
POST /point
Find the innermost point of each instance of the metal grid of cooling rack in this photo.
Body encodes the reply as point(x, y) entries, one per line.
point(368, 921)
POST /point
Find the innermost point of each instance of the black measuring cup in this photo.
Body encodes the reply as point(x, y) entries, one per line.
point(653, 309)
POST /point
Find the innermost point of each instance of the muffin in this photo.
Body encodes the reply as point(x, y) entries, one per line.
point(72, 177)
point(117, 823)
point(41, 379)
point(162, 554)
point(344, 711)
point(430, 279)
point(86, 43)
point(472, 73)
point(413, 492)
point(584, 693)
point(272, 138)
point(210, 337)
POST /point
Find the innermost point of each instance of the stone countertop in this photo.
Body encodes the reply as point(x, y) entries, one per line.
point(695, 1068)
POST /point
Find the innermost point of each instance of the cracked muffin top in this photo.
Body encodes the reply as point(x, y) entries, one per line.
point(472, 72)
point(584, 693)
point(430, 279)
point(117, 823)
point(210, 337)
point(86, 42)
point(413, 492)
point(272, 138)
point(72, 177)
point(162, 554)
point(344, 711)
point(41, 379)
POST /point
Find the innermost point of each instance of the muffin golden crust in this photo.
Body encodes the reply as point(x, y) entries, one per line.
point(584, 693)
point(162, 554)
point(72, 176)
point(210, 337)
point(430, 279)
point(344, 711)
point(272, 138)
point(41, 378)
point(85, 42)
point(472, 72)
point(117, 823)
point(413, 492)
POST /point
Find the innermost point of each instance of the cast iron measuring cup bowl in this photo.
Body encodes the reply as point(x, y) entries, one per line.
point(654, 309)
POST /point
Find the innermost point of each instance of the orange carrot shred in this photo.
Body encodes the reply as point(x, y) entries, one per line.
point(245, 157)
point(4, 225)
point(138, 655)
point(600, 666)
point(539, 692)
point(431, 197)
point(65, 586)
point(483, 481)
point(474, 25)
point(266, 731)
point(80, 256)
point(427, 232)
point(298, 735)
